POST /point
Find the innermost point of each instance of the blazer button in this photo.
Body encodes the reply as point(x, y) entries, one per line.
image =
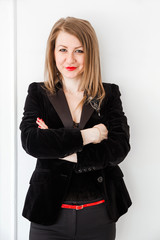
point(84, 170)
point(89, 169)
point(79, 170)
point(100, 179)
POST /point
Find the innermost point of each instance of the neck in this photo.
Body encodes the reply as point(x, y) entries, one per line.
point(72, 85)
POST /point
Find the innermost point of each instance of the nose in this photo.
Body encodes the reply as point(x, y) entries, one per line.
point(70, 58)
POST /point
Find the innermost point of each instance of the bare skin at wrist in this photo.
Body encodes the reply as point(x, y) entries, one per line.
point(94, 135)
point(89, 135)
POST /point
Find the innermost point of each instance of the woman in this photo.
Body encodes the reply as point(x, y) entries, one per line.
point(76, 128)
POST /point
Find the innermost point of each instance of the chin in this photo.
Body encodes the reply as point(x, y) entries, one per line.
point(71, 76)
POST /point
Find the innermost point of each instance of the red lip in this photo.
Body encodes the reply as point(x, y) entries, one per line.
point(70, 68)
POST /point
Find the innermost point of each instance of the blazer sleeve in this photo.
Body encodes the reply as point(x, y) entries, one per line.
point(112, 151)
point(45, 143)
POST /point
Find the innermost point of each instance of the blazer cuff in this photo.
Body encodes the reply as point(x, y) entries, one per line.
point(74, 141)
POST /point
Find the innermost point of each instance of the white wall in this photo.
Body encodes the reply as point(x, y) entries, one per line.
point(7, 121)
point(128, 33)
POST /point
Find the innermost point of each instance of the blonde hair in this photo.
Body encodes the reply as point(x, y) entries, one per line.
point(91, 76)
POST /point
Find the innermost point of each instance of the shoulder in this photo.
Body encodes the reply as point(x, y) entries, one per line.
point(111, 89)
point(35, 87)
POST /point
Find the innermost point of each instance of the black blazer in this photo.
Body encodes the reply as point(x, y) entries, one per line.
point(51, 178)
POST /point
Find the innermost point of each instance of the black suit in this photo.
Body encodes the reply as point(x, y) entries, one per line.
point(51, 178)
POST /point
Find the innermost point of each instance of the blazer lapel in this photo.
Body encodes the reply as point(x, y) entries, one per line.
point(59, 102)
point(87, 111)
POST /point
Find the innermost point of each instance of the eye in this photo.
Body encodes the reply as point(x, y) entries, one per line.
point(62, 50)
point(79, 51)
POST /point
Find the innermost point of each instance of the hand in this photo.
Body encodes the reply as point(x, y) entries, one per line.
point(41, 124)
point(103, 132)
point(71, 158)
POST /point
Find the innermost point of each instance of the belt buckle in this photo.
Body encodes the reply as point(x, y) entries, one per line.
point(79, 207)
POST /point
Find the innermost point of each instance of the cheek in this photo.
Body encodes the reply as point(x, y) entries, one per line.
point(59, 57)
point(59, 60)
point(82, 62)
point(83, 59)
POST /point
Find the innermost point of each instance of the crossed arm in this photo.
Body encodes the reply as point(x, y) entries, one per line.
point(110, 139)
point(94, 135)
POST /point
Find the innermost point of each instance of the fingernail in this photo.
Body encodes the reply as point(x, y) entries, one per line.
point(39, 126)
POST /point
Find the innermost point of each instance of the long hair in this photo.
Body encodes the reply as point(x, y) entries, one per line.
point(91, 76)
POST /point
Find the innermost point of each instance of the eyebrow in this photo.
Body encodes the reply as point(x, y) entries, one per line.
point(66, 47)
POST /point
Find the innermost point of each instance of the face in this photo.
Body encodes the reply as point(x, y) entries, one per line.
point(69, 56)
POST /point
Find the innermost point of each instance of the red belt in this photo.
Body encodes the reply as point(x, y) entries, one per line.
point(79, 207)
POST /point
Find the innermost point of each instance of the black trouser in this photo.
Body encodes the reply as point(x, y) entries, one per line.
point(90, 223)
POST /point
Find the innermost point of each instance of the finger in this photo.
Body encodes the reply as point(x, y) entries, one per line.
point(42, 124)
point(45, 126)
point(40, 121)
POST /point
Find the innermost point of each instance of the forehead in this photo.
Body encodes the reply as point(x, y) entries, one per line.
point(67, 39)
